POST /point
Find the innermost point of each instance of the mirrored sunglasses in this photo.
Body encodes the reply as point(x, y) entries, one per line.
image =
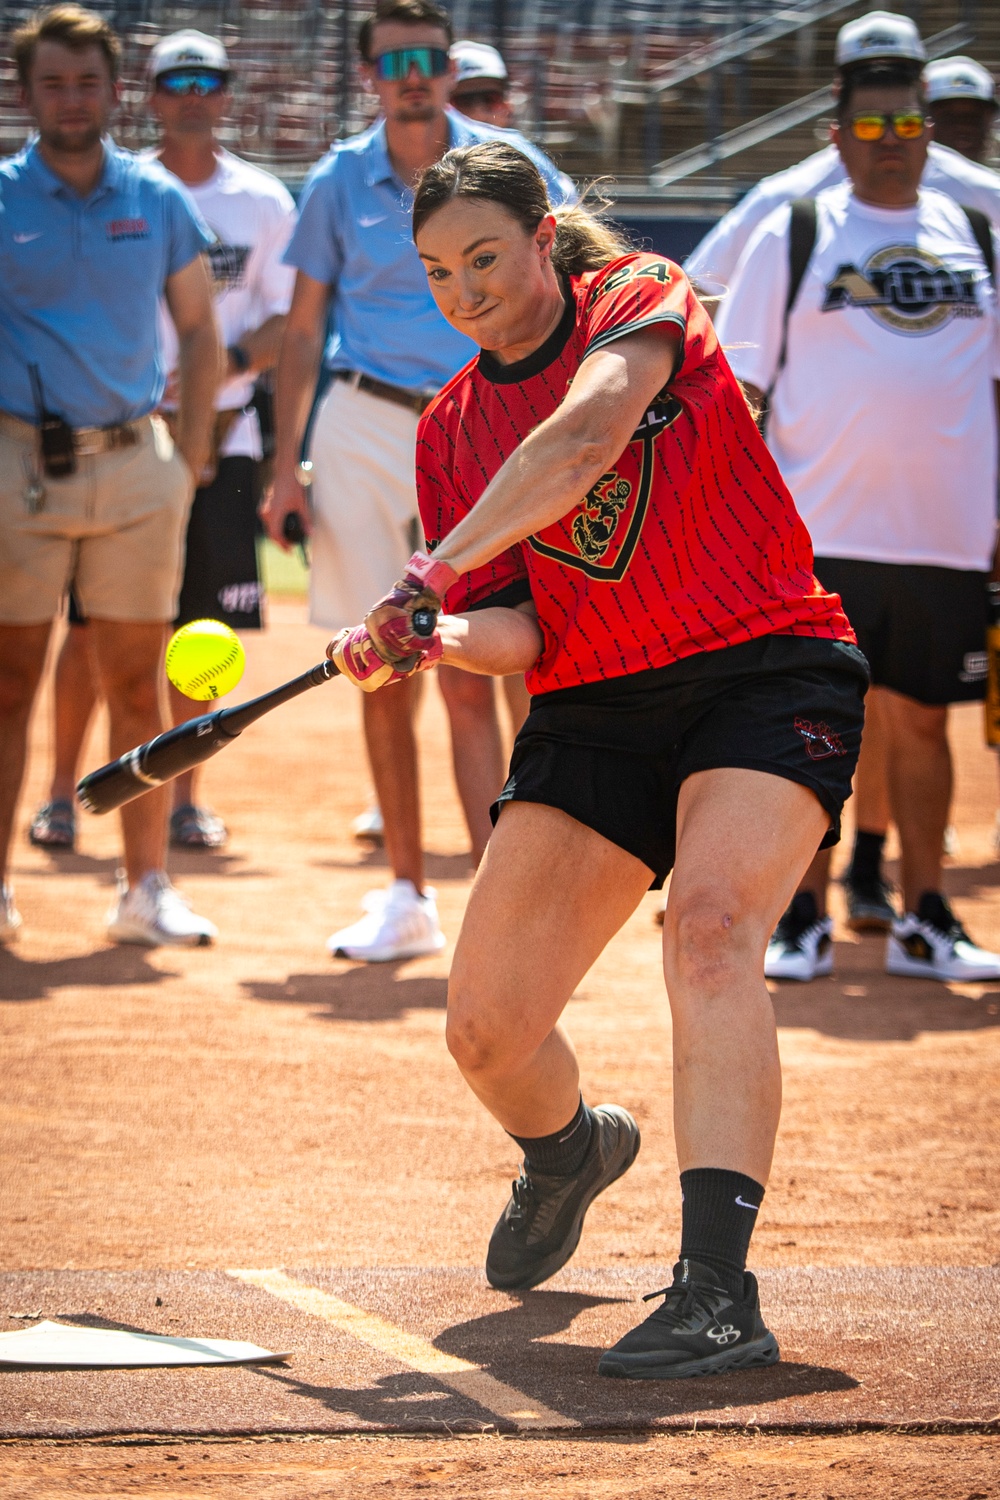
point(907, 125)
point(430, 62)
point(200, 81)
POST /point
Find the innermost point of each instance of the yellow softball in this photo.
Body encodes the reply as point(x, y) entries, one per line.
point(205, 659)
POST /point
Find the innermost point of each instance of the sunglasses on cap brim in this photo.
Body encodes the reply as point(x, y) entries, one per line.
point(907, 125)
point(430, 62)
point(199, 81)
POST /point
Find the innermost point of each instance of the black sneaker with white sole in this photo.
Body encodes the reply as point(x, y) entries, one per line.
point(699, 1329)
point(802, 944)
point(931, 943)
point(869, 905)
point(540, 1227)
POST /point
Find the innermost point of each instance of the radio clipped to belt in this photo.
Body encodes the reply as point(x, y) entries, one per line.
point(58, 449)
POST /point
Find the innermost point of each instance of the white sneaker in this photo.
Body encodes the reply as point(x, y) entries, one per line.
point(10, 917)
point(397, 924)
point(802, 945)
point(937, 946)
point(368, 827)
point(153, 913)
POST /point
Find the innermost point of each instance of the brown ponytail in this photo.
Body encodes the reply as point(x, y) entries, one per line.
point(498, 173)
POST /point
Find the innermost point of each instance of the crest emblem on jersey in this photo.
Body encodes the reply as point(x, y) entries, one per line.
point(906, 289)
point(606, 526)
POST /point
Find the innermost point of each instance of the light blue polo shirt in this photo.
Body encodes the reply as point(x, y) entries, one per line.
point(354, 235)
point(80, 280)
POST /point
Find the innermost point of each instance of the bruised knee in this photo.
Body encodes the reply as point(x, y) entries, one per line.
point(709, 932)
point(480, 1044)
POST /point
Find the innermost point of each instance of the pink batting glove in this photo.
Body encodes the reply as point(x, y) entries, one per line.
point(354, 653)
point(391, 621)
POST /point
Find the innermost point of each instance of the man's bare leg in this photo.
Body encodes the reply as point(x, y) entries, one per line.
point(75, 696)
point(920, 786)
point(476, 749)
point(392, 755)
point(129, 658)
point(22, 660)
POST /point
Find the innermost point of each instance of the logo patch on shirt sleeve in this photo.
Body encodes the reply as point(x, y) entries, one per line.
point(127, 229)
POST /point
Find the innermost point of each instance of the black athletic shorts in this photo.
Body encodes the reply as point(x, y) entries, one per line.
point(922, 629)
point(220, 570)
point(613, 754)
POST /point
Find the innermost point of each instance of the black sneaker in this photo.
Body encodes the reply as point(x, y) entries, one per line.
point(869, 905)
point(700, 1329)
point(801, 946)
point(540, 1227)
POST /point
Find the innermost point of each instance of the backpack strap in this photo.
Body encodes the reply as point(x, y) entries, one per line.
point(801, 242)
point(983, 232)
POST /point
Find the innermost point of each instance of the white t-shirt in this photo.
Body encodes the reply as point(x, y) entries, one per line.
point(946, 170)
point(882, 420)
point(251, 214)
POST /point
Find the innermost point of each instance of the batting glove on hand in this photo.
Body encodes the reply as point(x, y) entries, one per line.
point(354, 653)
point(391, 623)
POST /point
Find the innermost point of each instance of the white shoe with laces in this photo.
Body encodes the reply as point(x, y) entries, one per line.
point(155, 914)
point(10, 917)
point(398, 923)
point(933, 944)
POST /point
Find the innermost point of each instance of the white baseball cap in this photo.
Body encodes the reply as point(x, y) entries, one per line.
point(958, 78)
point(477, 60)
point(881, 33)
point(188, 49)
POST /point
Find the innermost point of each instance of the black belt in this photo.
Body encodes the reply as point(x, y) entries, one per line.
point(415, 401)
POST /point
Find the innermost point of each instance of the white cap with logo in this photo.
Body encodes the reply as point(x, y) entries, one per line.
point(188, 49)
point(959, 78)
point(477, 60)
point(881, 33)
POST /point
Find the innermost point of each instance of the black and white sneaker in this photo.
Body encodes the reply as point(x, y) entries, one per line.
point(933, 944)
point(699, 1329)
point(802, 945)
point(869, 905)
point(540, 1227)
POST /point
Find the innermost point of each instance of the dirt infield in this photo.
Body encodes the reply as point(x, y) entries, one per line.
point(258, 1105)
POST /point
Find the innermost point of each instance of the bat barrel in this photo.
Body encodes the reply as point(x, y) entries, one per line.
point(149, 765)
point(185, 746)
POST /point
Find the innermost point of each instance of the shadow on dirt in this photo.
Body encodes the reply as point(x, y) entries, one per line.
point(513, 1346)
point(436, 866)
point(370, 992)
point(25, 979)
point(861, 1003)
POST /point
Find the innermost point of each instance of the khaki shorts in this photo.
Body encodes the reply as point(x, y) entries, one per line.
point(114, 530)
point(364, 503)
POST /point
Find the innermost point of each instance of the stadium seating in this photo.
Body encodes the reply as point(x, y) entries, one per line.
point(620, 87)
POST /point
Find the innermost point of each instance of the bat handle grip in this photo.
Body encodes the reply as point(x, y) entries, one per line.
point(425, 621)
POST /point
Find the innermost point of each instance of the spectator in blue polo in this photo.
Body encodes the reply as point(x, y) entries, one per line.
point(93, 492)
point(389, 353)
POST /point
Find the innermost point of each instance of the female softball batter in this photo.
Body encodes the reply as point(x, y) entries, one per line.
point(697, 703)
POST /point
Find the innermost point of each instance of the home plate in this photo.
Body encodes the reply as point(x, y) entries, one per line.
point(61, 1346)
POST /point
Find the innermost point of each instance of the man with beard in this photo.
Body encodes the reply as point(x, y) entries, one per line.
point(93, 492)
point(391, 351)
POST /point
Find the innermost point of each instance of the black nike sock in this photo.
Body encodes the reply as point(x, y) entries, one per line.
point(562, 1153)
point(718, 1215)
point(866, 861)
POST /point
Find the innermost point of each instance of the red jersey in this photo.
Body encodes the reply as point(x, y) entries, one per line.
point(690, 542)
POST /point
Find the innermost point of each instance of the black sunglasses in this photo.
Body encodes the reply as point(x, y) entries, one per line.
point(488, 97)
point(200, 81)
point(430, 62)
